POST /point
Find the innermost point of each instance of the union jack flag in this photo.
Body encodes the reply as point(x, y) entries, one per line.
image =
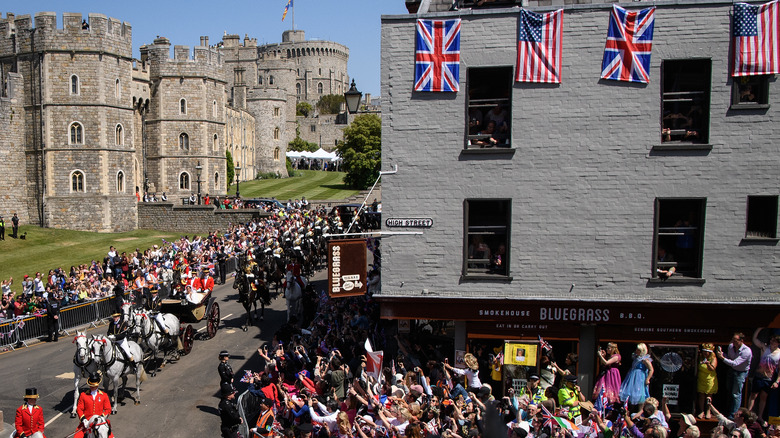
point(601, 401)
point(547, 417)
point(756, 41)
point(545, 345)
point(539, 47)
point(437, 55)
point(629, 45)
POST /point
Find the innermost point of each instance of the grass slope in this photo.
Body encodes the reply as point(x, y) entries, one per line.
point(313, 184)
point(48, 248)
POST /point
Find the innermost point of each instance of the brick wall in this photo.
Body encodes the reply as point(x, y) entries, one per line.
point(191, 219)
point(584, 176)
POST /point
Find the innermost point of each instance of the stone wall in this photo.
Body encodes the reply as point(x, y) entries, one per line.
point(13, 196)
point(325, 132)
point(165, 216)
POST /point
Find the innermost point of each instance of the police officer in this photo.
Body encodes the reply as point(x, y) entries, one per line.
point(228, 412)
point(2, 228)
point(53, 305)
point(225, 370)
point(570, 396)
point(222, 264)
point(533, 390)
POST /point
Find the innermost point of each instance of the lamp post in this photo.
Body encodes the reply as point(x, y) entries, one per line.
point(353, 97)
point(238, 180)
point(198, 170)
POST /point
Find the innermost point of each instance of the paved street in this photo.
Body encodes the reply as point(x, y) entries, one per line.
point(181, 401)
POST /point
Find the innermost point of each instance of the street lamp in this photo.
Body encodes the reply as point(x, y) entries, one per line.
point(238, 180)
point(198, 170)
point(353, 96)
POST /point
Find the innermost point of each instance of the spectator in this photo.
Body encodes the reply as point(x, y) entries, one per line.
point(738, 360)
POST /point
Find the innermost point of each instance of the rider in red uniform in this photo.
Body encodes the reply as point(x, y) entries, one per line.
point(92, 402)
point(29, 417)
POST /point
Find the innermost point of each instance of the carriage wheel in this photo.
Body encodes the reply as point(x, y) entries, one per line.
point(187, 336)
point(213, 322)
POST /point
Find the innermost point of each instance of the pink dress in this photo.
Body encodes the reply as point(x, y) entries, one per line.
point(609, 379)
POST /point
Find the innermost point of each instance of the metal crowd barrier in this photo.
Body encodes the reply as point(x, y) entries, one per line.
point(18, 331)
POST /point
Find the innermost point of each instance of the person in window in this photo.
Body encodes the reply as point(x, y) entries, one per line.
point(84, 25)
point(499, 115)
point(475, 121)
point(664, 256)
point(498, 261)
point(488, 136)
point(746, 94)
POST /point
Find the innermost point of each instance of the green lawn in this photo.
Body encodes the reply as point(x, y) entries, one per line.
point(314, 185)
point(48, 248)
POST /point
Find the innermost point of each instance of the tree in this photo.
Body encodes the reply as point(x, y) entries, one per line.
point(330, 103)
point(299, 145)
point(303, 109)
point(231, 172)
point(361, 151)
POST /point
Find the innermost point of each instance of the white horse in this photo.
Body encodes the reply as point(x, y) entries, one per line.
point(83, 365)
point(116, 367)
point(97, 428)
point(152, 337)
point(294, 296)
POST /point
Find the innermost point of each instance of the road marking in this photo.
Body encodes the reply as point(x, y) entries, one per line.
point(66, 376)
point(221, 318)
point(52, 420)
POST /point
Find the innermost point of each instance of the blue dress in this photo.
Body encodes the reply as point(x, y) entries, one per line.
point(633, 387)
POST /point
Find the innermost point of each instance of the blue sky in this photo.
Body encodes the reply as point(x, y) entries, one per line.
point(354, 23)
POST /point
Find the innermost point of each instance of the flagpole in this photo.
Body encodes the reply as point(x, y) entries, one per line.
point(292, 6)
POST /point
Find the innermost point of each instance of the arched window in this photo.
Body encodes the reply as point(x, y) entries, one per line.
point(276, 154)
point(183, 106)
point(270, 80)
point(215, 145)
point(74, 85)
point(319, 87)
point(216, 179)
point(184, 181)
point(276, 133)
point(184, 141)
point(117, 90)
point(76, 133)
point(298, 89)
point(120, 182)
point(77, 181)
point(119, 141)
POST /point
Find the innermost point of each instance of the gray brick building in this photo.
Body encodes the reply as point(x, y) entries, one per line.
point(596, 190)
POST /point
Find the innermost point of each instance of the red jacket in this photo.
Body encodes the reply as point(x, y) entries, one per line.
point(87, 406)
point(29, 423)
point(203, 284)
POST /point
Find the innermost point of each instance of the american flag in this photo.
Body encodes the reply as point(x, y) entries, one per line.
point(539, 47)
point(629, 45)
point(756, 41)
point(437, 55)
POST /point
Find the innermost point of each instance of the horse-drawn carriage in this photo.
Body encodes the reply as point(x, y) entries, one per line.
point(190, 312)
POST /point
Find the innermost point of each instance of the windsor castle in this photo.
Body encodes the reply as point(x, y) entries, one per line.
point(85, 125)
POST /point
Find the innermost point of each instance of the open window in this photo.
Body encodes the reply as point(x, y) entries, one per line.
point(489, 108)
point(679, 237)
point(750, 92)
point(685, 104)
point(487, 243)
point(761, 217)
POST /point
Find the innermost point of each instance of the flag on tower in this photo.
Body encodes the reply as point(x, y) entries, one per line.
point(629, 45)
point(756, 40)
point(289, 5)
point(539, 47)
point(437, 55)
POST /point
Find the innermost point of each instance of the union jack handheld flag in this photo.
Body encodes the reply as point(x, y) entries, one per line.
point(601, 401)
point(629, 45)
point(437, 55)
point(756, 41)
point(545, 345)
point(547, 417)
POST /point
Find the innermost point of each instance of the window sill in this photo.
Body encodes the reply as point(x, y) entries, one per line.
point(682, 147)
point(760, 240)
point(477, 278)
point(489, 151)
point(676, 281)
point(748, 106)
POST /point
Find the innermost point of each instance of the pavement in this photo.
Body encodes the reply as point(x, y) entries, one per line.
point(181, 401)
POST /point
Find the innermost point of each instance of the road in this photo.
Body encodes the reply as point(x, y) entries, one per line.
point(181, 401)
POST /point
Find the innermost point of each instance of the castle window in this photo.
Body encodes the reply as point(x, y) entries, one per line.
point(75, 89)
point(276, 154)
point(270, 80)
point(184, 141)
point(117, 90)
point(120, 182)
point(276, 133)
point(278, 111)
point(298, 89)
point(214, 109)
point(216, 179)
point(313, 128)
point(260, 80)
point(184, 181)
point(320, 71)
point(319, 87)
point(183, 106)
point(76, 133)
point(77, 181)
point(215, 144)
point(119, 140)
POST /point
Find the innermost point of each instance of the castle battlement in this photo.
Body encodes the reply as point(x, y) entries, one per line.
point(160, 51)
